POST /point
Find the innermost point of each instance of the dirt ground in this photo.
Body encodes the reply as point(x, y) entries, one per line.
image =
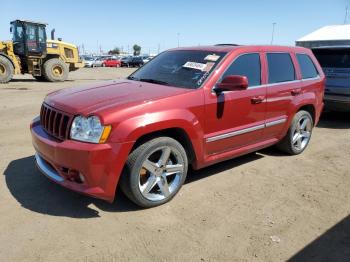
point(263, 206)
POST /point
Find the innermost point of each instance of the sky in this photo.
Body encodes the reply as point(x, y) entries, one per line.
point(157, 24)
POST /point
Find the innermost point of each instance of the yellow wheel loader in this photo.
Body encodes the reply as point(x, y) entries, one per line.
point(30, 52)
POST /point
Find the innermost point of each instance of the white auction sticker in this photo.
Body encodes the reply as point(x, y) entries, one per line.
point(194, 65)
point(212, 58)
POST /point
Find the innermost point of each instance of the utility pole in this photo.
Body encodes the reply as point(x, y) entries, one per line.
point(346, 15)
point(178, 39)
point(273, 32)
point(158, 48)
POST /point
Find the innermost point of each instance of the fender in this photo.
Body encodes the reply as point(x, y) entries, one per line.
point(133, 128)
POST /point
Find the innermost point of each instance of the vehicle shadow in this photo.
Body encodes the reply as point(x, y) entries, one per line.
point(34, 80)
point(194, 175)
point(37, 193)
point(334, 120)
point(333, 245)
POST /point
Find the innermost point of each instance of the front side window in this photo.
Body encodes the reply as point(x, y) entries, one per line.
point(307, 67)
point(179, 68)
point(281, 68)
point(246, 65)
point(17, 33)
point(41, 33)
point(30, 32)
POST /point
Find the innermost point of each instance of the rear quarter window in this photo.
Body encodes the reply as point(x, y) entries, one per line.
point(281, 68)
point(307, 67)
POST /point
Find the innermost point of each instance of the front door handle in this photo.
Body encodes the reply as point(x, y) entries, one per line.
point(257, 99)
point(296, 91)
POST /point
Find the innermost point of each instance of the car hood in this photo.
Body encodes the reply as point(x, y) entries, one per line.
point(90, 99)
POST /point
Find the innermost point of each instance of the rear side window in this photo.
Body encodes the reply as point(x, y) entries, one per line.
point(246, 65)
point(281, 68)
point(307, 67)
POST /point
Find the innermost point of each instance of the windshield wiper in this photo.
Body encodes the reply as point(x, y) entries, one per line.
point(154, 81)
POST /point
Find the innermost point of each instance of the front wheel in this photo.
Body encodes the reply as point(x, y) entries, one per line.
point(154, 172)
point(55, 70)
point(6, 70)
point(298, 135)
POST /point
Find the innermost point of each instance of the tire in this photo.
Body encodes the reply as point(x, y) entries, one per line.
point(298, 135)
point(164, 184)
point(6, 70)
point(55, 70)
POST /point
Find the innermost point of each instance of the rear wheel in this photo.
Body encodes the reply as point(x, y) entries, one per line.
point(154, 172)
point(6, 70)
point(55, 70)
point(298, 135)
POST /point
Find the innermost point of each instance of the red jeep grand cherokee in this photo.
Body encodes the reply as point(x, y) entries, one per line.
point(188, 106)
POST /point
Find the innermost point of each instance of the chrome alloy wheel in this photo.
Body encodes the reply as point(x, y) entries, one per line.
point(161, 173)
point(302, 133)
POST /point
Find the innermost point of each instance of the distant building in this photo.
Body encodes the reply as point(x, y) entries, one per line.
point(333, 35)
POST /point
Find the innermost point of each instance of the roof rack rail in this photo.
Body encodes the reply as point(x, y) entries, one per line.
point(227, 44)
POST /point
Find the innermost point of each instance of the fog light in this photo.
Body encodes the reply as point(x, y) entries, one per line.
point(75, 176)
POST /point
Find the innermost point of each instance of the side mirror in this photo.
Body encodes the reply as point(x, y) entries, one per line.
point(232, 83)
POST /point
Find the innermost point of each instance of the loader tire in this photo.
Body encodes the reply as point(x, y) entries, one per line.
point(6, 70)
point(55, 70)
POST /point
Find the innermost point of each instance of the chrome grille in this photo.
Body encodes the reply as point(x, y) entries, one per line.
point(56, 123)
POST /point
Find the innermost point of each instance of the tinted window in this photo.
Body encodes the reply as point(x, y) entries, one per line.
point(333, 58)
point(246, 65)
point(307, 67)
point(281, 68)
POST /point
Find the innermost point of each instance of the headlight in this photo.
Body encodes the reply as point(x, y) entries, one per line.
point(89, 129)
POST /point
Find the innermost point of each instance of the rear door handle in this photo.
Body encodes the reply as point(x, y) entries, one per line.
point(296, 91)
point(257, 99)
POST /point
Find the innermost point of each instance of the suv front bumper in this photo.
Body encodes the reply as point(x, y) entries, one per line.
point(99, 165)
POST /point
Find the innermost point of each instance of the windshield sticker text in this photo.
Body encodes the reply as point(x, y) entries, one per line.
point(194, 65)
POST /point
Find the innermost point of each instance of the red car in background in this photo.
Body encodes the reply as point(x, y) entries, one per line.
point(111, 62)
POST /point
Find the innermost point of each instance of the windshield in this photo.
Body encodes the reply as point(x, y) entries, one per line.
point(179, 68)
point(333, 58)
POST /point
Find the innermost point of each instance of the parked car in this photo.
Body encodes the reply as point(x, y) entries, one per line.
point(146, 59)
point(111, 62)
point(132, 61)
point(335, 61)
point(88, 61)
point(98, 62)
point(188, 106)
